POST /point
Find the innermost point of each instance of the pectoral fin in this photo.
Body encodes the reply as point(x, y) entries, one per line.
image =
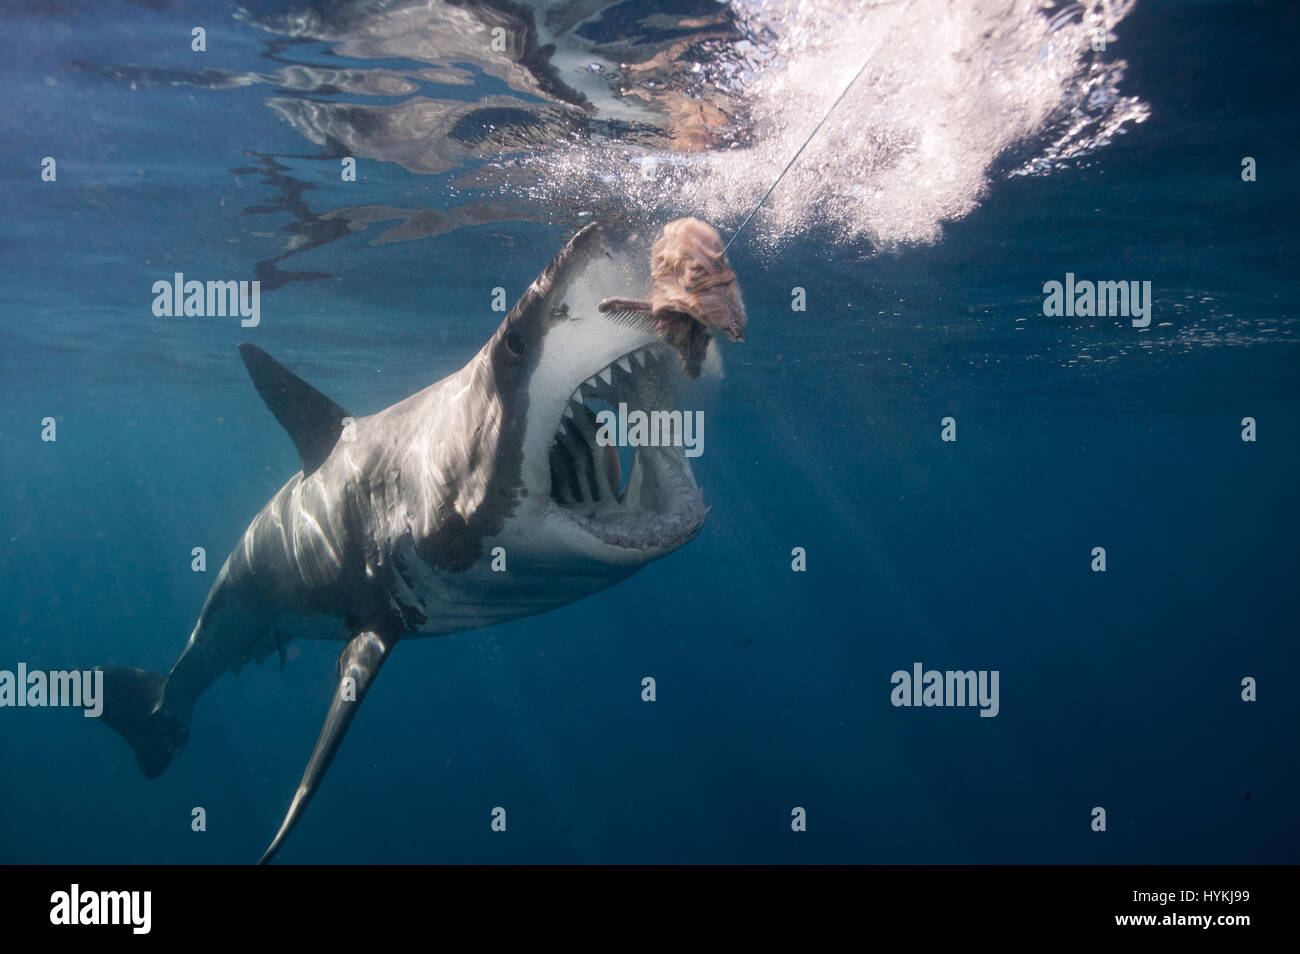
point(358, 665)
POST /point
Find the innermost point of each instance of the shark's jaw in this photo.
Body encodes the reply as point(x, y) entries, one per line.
point(588, 500)
point(657, 506)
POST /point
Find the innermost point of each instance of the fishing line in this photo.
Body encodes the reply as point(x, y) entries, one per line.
point(816, 129)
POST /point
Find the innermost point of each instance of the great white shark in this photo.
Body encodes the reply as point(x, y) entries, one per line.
point(392, 528)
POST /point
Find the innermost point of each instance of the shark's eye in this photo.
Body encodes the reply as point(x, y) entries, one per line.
point(514, 343)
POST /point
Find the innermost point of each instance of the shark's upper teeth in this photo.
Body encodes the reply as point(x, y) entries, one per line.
point(625, 364)
point(568, 410)
point(607, 376)
point(640, 357)
point(591, 381)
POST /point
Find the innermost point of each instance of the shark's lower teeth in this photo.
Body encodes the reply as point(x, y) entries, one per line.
point(669, 530)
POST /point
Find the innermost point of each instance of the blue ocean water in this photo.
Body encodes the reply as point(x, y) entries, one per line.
point(1119, 689)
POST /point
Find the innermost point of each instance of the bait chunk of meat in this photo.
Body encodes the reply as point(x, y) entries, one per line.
point(695, 292)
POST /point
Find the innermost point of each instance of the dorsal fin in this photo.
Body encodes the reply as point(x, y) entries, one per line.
point(313, 421)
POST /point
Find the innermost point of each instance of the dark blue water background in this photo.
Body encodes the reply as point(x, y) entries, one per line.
point(1119, 689)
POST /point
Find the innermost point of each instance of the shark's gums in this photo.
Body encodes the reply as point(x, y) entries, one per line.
point(389, 530)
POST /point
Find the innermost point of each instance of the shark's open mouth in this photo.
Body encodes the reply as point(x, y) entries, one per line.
point(653, 503)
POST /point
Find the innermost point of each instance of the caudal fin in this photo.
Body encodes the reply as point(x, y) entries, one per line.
point(130, 707)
